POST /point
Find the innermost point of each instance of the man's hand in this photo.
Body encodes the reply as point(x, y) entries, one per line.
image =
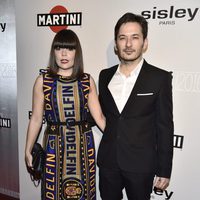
point(161, 183)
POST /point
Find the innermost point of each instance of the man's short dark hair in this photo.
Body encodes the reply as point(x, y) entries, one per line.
point(130, 17)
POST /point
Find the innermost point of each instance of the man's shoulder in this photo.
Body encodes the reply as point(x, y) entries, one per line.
point(154, 69)
point(108, 70)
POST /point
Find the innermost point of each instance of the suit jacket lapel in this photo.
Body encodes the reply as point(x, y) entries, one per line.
point(137, 87)
point(108, 95)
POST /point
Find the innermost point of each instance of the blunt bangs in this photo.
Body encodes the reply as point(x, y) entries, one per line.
point(64, 46)
point(65, 39)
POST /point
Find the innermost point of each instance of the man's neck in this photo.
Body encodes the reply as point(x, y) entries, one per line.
point(127, 67)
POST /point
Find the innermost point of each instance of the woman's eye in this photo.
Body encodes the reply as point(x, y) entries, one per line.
point(70, 48)
point(57, 48)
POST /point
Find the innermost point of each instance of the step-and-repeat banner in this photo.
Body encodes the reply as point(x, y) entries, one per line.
point(174, 45)
point(9, 171)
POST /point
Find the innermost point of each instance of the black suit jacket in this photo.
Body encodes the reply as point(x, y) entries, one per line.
point(140, 138)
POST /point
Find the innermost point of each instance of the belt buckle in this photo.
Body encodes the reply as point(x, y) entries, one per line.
point(52, 129)
point(70, 123)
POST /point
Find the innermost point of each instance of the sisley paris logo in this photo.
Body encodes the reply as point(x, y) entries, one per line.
point(59, 18)
point(170, 14)
point(2, 27)
point(162, 193)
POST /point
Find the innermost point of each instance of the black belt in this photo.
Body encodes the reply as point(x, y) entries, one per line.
point(68, 124)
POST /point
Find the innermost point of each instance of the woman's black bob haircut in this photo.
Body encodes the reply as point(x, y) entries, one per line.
point(67, 38)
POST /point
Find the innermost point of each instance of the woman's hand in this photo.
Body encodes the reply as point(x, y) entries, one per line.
point(28, 159)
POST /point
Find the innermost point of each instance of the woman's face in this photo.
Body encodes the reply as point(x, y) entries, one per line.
point(65, 60)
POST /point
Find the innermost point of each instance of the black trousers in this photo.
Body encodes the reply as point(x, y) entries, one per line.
point(138, 186)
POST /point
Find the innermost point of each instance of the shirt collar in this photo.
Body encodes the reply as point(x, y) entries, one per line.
point(135, 72)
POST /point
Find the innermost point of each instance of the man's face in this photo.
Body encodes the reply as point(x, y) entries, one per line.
point(130, 44)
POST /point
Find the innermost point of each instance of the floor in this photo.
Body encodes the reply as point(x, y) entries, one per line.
point(3, 197)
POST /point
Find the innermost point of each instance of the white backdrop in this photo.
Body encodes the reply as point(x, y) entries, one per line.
point(174, 45)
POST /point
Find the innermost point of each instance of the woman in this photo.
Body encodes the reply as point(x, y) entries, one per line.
point(65, 94)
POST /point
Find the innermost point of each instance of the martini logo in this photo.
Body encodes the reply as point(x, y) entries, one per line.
point(178, 141)
point(59, 18)
point(5, 122)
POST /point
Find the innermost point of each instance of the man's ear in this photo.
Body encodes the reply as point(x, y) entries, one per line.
point(115, 49)
point(145, 46)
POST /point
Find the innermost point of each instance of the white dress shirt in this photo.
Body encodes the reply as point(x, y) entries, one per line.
point(121, 86)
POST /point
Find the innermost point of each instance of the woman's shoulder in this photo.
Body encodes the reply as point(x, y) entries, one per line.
point(47, 74)
point(39, 78)
point(85, 76)
point(38, 82)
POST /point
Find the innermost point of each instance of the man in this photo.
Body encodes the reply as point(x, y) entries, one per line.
point(136, 99)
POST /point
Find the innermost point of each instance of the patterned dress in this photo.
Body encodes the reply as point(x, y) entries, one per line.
point(68, 140)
